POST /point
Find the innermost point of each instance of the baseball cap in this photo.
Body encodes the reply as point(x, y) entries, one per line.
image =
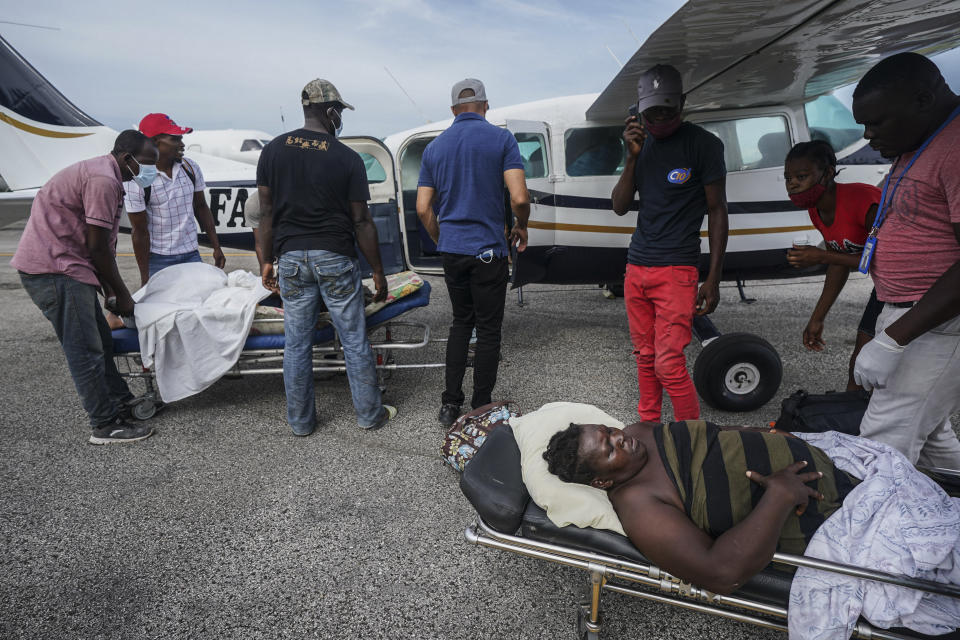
point(319, 91)
point(479, 93)
point(659, 86)
point(153, 124)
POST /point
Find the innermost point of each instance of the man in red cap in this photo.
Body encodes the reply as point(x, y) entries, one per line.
point(162, 214)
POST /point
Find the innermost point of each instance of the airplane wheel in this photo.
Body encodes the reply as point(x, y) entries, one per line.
point(738, 372)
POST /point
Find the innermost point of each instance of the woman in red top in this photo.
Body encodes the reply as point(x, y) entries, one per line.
point(844, 214)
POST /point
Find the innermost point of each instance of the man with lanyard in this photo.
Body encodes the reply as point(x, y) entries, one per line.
point(678, 170)
point(463, 173)
point(913, 254)
point(162, 215)
point(66, 253)
point(313, 208)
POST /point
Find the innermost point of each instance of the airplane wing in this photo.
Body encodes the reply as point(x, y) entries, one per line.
point(753, 52)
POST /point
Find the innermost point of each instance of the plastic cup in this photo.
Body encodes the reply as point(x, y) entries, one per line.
point(801, 241)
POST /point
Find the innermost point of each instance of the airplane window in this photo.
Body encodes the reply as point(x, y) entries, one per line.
point(752, 143)
point(375, 171)
point(251, 145)
point(594, 151)
point(533, 154)
point(828, 119)
point(410, 159)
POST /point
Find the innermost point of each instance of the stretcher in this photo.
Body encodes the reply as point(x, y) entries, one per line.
point(263, 354)
point(508, 520)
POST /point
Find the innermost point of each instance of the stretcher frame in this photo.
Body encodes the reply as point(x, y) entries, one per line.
point(649, 582)
point(327, 358)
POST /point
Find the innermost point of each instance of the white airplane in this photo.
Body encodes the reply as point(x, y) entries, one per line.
point(242, 145)
point(757, 74)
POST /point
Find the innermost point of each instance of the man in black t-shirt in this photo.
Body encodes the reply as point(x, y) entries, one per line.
point(678, 170)
point(313, 208)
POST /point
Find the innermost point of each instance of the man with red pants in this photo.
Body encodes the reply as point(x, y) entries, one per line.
point(678, 170)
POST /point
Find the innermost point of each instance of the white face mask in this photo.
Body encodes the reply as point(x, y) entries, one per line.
point(336, 119)
point(145, 177)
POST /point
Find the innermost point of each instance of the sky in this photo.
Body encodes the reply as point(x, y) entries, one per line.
point(213, 64)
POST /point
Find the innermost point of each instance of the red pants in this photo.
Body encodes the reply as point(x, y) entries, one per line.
point(660, 306)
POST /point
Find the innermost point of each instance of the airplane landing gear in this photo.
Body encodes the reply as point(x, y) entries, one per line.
point(735, 371)
point(743, 294)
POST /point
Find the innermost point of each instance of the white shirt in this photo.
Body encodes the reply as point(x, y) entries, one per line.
point(170, 217)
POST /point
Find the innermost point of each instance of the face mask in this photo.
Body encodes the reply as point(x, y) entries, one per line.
point(664, 129)
point(337, 121)
point(146, 175)
point(808, 198)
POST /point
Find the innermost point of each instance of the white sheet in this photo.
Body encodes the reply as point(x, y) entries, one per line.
point(897, 521)
point(192, 320)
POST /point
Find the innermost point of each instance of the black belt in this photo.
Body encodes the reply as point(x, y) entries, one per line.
point(902, 305)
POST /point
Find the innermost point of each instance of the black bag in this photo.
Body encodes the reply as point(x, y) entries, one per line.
point(815, 413)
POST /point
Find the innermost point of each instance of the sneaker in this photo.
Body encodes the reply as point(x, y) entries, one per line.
point(389, 412)
point(120, 431)
point(448, 414)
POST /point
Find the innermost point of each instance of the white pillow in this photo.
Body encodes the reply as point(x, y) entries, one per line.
point(565, 502)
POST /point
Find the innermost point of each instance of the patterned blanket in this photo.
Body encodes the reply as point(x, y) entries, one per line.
point(897, 521)
point(269, 320)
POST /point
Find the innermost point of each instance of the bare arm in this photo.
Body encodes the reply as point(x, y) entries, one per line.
point(724, 564)
point(832, 286)
point(425, 198)
point(367, 241)
point(940, 303)
point(201, 210)
point(718, 229)
point(264, 239)
point(633, 137)
point(140, 235)
point(105, 263)
point(520, 204)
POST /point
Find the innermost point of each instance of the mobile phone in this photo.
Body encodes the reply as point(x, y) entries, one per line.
point(633, 110)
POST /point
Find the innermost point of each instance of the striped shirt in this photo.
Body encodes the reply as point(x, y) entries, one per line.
point(708, 466)
point(170, 217)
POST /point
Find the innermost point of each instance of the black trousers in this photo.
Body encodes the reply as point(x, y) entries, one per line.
point(477, 291)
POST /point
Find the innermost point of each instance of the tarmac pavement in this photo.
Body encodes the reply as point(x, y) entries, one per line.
point(224, 525)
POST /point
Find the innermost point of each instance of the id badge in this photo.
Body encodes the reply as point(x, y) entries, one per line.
point(868, 248)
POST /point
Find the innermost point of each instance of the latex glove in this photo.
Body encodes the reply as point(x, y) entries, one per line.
point(877, 361)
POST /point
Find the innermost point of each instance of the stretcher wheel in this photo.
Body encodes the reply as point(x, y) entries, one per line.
point(738, 372)
point(144, 410)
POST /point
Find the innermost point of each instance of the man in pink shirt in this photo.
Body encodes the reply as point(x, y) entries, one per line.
point(913, 364)
point(66, 255)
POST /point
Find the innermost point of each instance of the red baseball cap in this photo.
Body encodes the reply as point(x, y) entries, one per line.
point(153, 124)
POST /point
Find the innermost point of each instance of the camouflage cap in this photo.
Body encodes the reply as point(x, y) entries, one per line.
point(320, 90)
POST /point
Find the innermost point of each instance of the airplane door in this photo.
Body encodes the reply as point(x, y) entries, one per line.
point(383, 202)
point(533, 139)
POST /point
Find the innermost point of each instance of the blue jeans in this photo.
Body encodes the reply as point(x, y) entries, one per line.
point(73, 309)
point(158, 261)
point(306, 276)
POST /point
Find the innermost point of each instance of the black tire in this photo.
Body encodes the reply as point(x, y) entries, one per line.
point(615, 288)
point(144, 410)
point(738, 372)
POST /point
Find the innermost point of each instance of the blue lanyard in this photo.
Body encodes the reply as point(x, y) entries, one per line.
point(882, 209)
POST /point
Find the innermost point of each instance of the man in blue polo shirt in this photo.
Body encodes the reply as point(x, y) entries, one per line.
point(462, 177)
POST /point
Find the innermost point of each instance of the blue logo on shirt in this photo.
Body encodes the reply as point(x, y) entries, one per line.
point(679, 176)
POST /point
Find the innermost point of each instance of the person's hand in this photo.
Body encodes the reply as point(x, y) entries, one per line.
point(801, 257)
point(380, 282)
point(633, 136)
point(269, 277)
point(218, 258)
point(813, 335)
point(788, 485)
point(518, 238)
point(123, 306)
point(877, 361)
point(708, 297)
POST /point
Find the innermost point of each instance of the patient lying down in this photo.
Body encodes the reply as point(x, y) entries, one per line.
point(709, 504)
